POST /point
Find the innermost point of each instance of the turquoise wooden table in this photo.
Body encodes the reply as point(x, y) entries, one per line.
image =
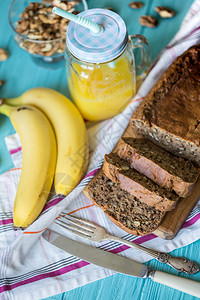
point(21, 73)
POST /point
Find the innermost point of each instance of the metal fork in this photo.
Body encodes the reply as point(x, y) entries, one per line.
point(96, 233)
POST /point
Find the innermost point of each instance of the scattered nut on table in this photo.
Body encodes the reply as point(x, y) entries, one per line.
point(2, 82)
point(109, 8)
point(165, 12)
point(136, 4)
point(3, 54)
point(38, 23)
point(47, 1)
point(148, 21)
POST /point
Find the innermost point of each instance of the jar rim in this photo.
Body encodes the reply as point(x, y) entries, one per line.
point(102, 47)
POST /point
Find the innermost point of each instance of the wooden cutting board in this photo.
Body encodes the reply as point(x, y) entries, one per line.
point(174, 219)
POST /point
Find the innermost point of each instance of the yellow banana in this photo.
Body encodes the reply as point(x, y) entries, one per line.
point(70, 131)
point(38, 164)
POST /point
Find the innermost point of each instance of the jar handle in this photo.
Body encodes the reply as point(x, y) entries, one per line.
point(139, 41)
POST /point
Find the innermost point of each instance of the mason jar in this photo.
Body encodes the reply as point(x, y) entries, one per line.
point(101, 69)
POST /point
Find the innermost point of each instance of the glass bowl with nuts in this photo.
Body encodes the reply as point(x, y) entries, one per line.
point(40, 32)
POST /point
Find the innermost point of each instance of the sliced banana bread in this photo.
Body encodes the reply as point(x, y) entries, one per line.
point(164, 168)
point(138, 184)
point(170, 113)
point(125, 210)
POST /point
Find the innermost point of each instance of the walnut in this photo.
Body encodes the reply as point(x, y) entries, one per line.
point(61, 48)
point(136, 4)
point(65, 5)
point(71, 4)
point(45, 11)
point(24, 25)
point(34, 36)
point(47, 20)
point(3, 54)
point(47, 1)
point(2, 82)
point(47, 47)
point(31, 47)
point(52, 51)
point(63, 27)
point(165, 12)
point(148, 21)
point(40, 24)
point(60, 4)
point(109, 8)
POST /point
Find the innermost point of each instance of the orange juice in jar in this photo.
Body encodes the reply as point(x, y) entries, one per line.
point(101, 70)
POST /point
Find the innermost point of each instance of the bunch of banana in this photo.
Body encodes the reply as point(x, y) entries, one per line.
point(39, 161)
point(42, 162)
point(70, 132)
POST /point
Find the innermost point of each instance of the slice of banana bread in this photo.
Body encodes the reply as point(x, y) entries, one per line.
point(138, 184)
point(164, 168)
point(170, 113)
point(125, 210)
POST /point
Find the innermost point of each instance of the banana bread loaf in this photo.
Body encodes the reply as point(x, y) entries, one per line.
point(170, 113)
point(138, 184)
point(164, 168)
point(125, 210)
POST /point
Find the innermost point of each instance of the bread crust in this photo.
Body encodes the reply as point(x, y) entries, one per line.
point(153, 170)
point(170, 113)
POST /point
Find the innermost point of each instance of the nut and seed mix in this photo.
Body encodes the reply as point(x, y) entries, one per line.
point(38, 23)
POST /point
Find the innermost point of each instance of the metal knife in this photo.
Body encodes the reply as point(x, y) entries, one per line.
point(126, 266)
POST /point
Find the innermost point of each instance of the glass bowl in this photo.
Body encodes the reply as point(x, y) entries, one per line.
point(38, 31)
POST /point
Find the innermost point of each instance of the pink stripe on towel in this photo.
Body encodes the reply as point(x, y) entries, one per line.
point(13, 151)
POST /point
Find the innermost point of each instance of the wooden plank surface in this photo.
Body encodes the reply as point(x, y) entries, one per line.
point(174, 219)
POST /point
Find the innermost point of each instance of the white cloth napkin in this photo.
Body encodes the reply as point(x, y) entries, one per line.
point(31, 267)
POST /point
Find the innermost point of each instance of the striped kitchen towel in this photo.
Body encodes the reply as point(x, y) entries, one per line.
point(31, 267)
